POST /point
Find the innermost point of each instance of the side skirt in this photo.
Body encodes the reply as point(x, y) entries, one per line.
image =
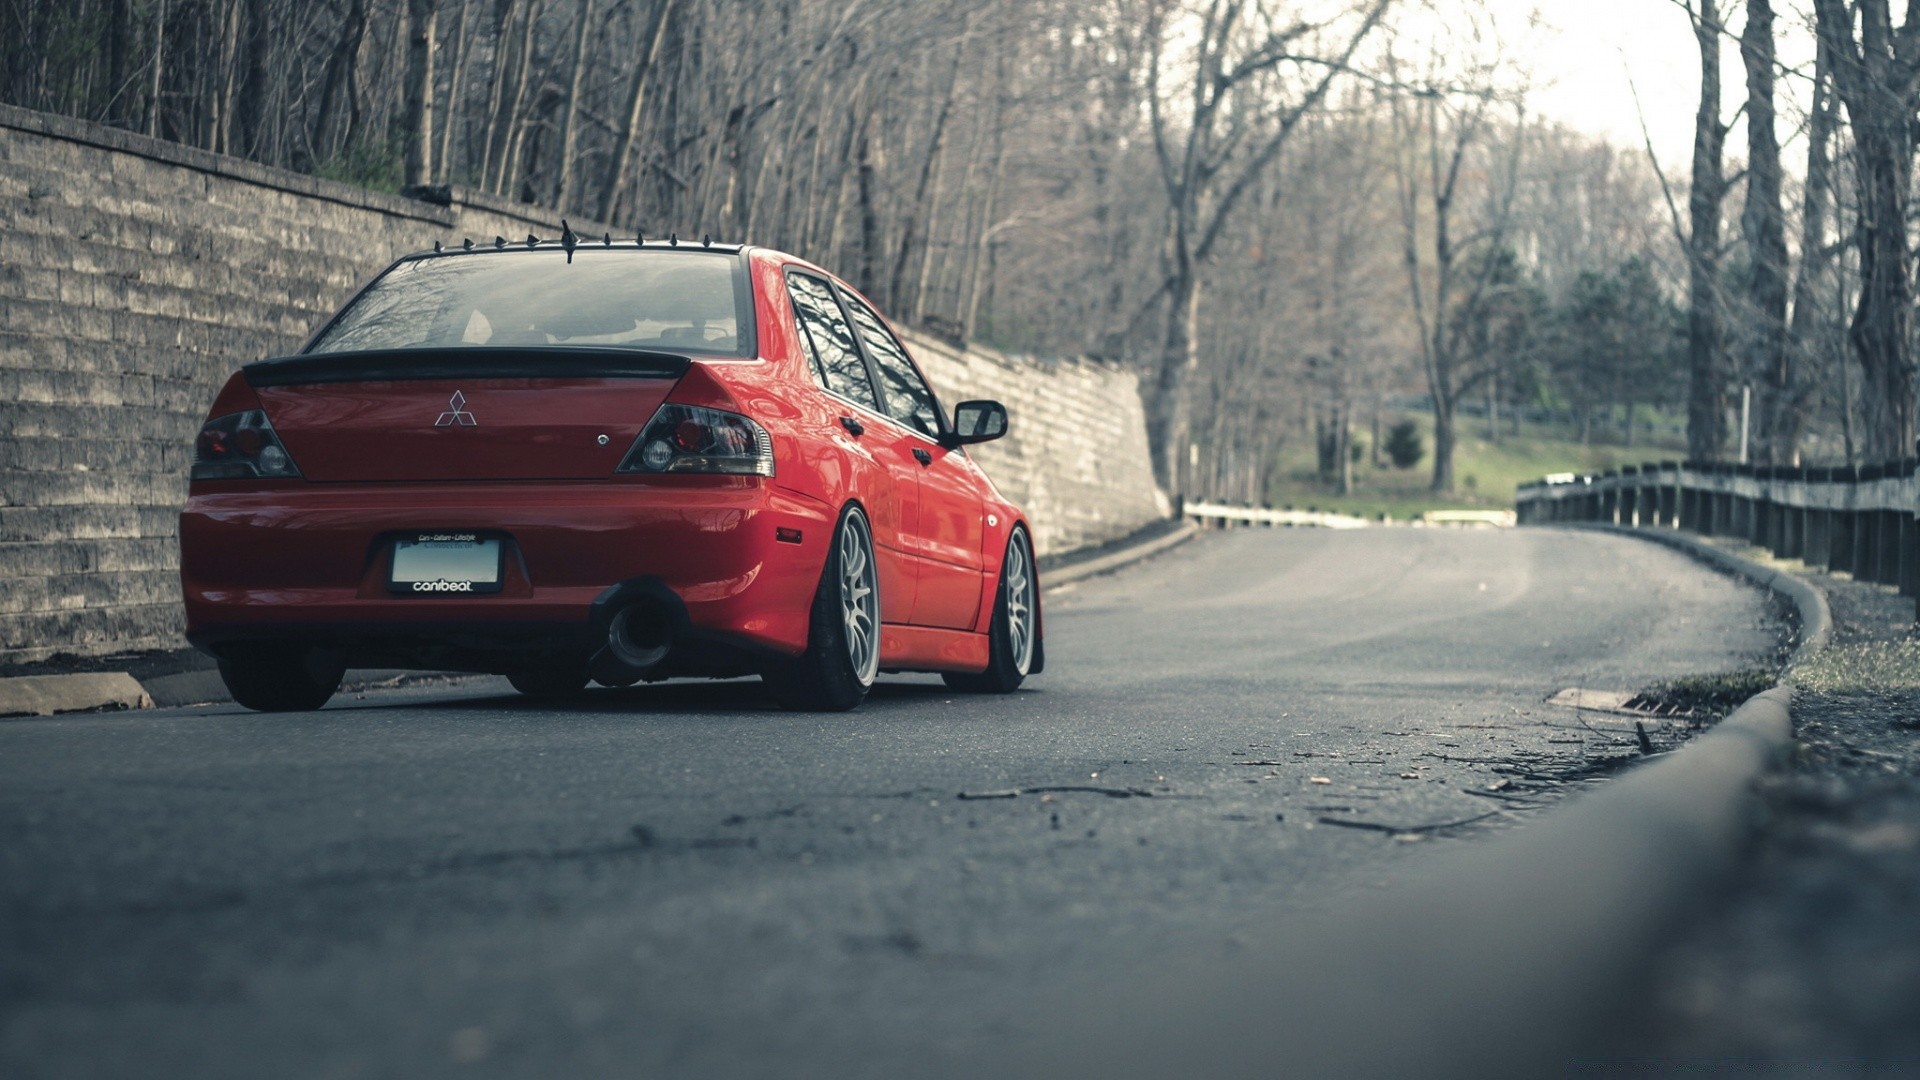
point(924, 648)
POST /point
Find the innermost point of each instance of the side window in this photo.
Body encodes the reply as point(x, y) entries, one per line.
point(908, 398)
point(829, 340)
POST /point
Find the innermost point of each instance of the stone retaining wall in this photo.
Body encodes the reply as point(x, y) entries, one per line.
point(136, 274)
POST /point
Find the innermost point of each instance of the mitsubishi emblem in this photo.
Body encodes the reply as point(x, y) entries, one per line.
point(456, 413)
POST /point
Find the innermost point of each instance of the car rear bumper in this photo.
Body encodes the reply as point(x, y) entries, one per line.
point(310, 562)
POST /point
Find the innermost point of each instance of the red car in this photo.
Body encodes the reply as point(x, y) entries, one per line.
point(611, 460)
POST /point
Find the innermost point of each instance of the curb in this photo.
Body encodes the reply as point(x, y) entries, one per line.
point(1500, 963)
point(1816, 618)
point(1113, 560)
point(48, 695)
point(28, 696)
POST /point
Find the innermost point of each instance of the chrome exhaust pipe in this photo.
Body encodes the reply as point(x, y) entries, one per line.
point(639, 637)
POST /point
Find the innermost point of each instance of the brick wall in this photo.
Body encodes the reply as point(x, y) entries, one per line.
point(136, 274)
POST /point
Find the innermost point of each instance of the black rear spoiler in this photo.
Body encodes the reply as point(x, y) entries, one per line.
point(478, 362)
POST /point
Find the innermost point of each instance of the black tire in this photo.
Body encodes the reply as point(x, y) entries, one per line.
point(826, 678)
point(550, 680)
point(281, 678)
point(1006, 667)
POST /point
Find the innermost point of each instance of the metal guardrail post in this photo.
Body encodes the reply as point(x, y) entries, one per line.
point(1793, 542)
point(1840, 539)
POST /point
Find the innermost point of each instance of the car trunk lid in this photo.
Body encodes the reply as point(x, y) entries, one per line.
point(463, 414)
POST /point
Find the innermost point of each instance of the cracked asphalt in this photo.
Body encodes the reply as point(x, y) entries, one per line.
point(681, 881)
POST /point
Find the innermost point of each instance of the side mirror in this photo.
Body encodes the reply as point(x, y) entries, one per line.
point(978, 422)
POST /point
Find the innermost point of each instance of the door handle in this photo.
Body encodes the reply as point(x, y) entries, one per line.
point(853, 425)
point(922, 456)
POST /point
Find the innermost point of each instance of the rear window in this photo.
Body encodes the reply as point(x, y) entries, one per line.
point(674, 301)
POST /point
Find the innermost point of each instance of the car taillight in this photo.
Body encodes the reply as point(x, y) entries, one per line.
point(240, 445)
point(690, 439)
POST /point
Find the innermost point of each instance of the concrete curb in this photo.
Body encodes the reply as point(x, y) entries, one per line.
point(47, 695)
point(1114, 560)
point(1502, 962)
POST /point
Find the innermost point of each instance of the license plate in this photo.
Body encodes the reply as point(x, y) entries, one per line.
point(444, 564)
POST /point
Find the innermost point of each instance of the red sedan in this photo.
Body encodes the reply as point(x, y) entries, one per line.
point(616, 461)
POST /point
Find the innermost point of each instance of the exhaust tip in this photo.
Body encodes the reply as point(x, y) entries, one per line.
point(639, 637)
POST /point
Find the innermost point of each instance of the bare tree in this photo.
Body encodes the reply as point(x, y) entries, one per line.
point(1454, 254)
point(1228, 132)
point(1706, 393)
point(1763, 222)
point(421, 15)
point(1876, 72)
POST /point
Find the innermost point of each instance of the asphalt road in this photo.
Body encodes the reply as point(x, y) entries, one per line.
point(681, 881)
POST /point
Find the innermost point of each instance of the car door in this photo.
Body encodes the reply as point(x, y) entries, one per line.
point(838, 367)
point(949, 533)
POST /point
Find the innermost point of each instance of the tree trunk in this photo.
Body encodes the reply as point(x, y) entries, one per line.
point(1817, 193)
point(1876, 77)
point(1493, 409)
point(1167, 413)
point(493, 133)
point(513, 121)
point(1344, 447)
point(866, 184)
point(456, 84)
point(1706, 409)
point(1764, 223)
point(1444, 443)
point(340, 87)
point(156, 86)
point(419, 93)
point(920, 210)
point(620, 165)
point(570, 124)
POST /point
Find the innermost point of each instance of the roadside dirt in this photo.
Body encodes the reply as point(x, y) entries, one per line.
point(1810, 962)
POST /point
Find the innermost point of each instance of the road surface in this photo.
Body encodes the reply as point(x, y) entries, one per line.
point(681, 881)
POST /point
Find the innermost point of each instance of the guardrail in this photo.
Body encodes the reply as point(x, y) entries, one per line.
point(1859, 520)
point(1220, 514)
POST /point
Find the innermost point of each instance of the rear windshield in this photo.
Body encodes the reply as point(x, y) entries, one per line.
point(675, 301)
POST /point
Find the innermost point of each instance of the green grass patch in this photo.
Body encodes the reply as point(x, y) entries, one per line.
point(1486, 471)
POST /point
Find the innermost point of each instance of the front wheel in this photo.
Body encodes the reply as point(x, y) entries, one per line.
point(1013, 640)
point(281, 678)
point(843, 637)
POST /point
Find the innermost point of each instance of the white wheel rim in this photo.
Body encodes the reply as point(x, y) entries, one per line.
point(860, 599)
point(1020, 605)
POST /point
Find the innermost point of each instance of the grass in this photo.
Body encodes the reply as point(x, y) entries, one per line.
point(1486, 472)
point(1873, 666)
point(1713, 696)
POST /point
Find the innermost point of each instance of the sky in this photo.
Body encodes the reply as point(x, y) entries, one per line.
point(1589, 55)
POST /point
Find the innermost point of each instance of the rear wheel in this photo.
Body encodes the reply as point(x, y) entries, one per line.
point(843, 639)
point(281, 678)
point(1013, 639)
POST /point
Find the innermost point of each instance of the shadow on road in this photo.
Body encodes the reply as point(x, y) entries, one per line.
point(705, 698)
